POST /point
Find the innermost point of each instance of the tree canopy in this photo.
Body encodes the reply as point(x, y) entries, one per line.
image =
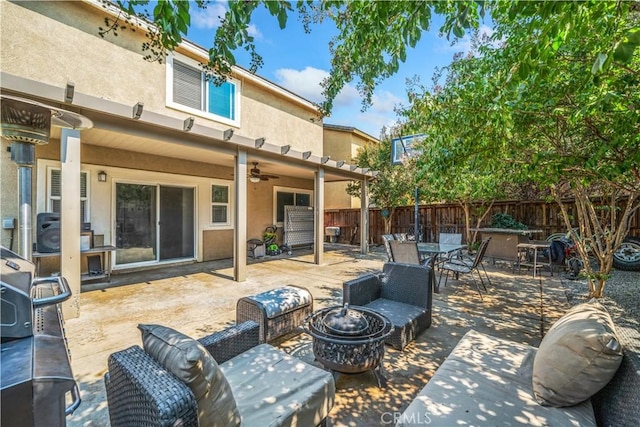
point(572, 125)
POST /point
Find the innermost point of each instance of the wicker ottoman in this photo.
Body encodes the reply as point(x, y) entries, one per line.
point(278, 311)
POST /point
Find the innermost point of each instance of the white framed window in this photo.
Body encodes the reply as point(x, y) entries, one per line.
point(54, 192)
point(285, 196)
point(189, 90)
point(220, 204)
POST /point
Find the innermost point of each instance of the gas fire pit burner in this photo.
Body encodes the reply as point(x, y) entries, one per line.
point(349, 340)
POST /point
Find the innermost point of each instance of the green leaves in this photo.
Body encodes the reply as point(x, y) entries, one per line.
point(624, 50)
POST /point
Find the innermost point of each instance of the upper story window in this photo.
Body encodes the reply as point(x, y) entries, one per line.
point(189, 90)
point(54, 196)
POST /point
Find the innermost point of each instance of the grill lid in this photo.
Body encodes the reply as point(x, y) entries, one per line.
point(345, 321)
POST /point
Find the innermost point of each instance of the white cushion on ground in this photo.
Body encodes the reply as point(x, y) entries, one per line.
point(487, 381)
point(274, 389)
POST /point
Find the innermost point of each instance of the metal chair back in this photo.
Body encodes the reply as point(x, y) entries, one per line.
point(386, 238)
point(450, 238)
point(405, 252)
point(480, 254)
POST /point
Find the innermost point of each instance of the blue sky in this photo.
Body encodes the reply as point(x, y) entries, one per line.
point(298, 62)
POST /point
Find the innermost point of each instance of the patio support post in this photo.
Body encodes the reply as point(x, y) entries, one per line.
point(70, 256)
point(364, 217)
point(240, 235)
point(318, 248)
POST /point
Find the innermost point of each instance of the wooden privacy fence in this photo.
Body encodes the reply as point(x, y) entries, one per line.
point(449, 217)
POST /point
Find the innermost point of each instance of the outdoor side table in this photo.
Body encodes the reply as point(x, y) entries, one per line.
point(525, 249)
point(278, 311)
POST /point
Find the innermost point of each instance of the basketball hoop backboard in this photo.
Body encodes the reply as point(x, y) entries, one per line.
point(405, 146)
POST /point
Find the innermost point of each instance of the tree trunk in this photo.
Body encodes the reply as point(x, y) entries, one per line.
point(470, 236)
point(387, 225)
point(388, 220)
point(600, 230)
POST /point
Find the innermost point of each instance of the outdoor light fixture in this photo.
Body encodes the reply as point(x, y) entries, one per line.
point(254, 179)
point(306, 155)
point(365, 170)
point(137, 110)
point(102, 176)
point(227, 134)
point(353, 167)
point(68, 92)
point(324, 159)
point(285, 149)
point(188, 124)
point(259, 142)
point(340, 163)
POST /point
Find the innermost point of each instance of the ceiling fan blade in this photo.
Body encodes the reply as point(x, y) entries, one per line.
point(270, 176)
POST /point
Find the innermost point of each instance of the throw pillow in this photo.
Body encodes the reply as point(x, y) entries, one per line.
point(188, 360)
point(578, 356)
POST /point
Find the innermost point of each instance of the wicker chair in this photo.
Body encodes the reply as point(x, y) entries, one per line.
point(141, 392)
point(402, 292)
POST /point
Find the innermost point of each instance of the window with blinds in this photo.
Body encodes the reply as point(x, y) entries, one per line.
point(187, 85)
point(54, 198)
point(219, 204)
point(191, 89)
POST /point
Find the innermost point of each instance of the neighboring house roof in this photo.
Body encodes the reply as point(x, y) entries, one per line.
point(202, 55)
point(350, 129)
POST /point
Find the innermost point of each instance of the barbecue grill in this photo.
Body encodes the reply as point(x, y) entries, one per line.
point(36, 371)
point(349, 340)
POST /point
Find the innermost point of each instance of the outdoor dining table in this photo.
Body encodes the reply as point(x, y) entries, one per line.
point(435, 249)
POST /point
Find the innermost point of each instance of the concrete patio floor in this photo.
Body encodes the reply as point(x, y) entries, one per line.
point(198, 299)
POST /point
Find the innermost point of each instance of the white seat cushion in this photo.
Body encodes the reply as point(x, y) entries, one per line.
point(488, 381)
point(274, 389)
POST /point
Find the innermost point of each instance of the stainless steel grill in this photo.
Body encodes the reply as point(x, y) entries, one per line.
point(36, 368)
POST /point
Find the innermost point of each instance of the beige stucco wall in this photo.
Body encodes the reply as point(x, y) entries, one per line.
point(342, 145)
point(8, 196)
point(212, 242)
point(56, 42)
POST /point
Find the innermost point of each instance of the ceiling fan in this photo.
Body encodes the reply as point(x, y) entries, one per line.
point(255, 175)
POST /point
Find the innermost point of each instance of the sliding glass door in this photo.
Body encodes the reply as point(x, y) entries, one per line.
point(153, 223)
point(176, 223)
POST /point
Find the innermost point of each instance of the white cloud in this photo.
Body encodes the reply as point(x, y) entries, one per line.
point(347, 105)
point(254, 32)
point(210, 17)
point(306, 83)
point(384, 102)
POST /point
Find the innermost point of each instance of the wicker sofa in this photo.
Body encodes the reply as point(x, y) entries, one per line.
point(402, 292)
point(493, 381)
point(270, 387)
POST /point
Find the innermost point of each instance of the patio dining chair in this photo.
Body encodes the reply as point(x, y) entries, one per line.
point(407, 253)
point(460, 267)
point(449, 239)
point(386, 238)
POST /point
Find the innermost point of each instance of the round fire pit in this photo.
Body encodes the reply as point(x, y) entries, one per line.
point(349, 340)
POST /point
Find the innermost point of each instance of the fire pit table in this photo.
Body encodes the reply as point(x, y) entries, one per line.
point(349, 340)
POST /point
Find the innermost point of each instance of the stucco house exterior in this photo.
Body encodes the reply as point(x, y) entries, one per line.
point(164, 173)
point(342, 143)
